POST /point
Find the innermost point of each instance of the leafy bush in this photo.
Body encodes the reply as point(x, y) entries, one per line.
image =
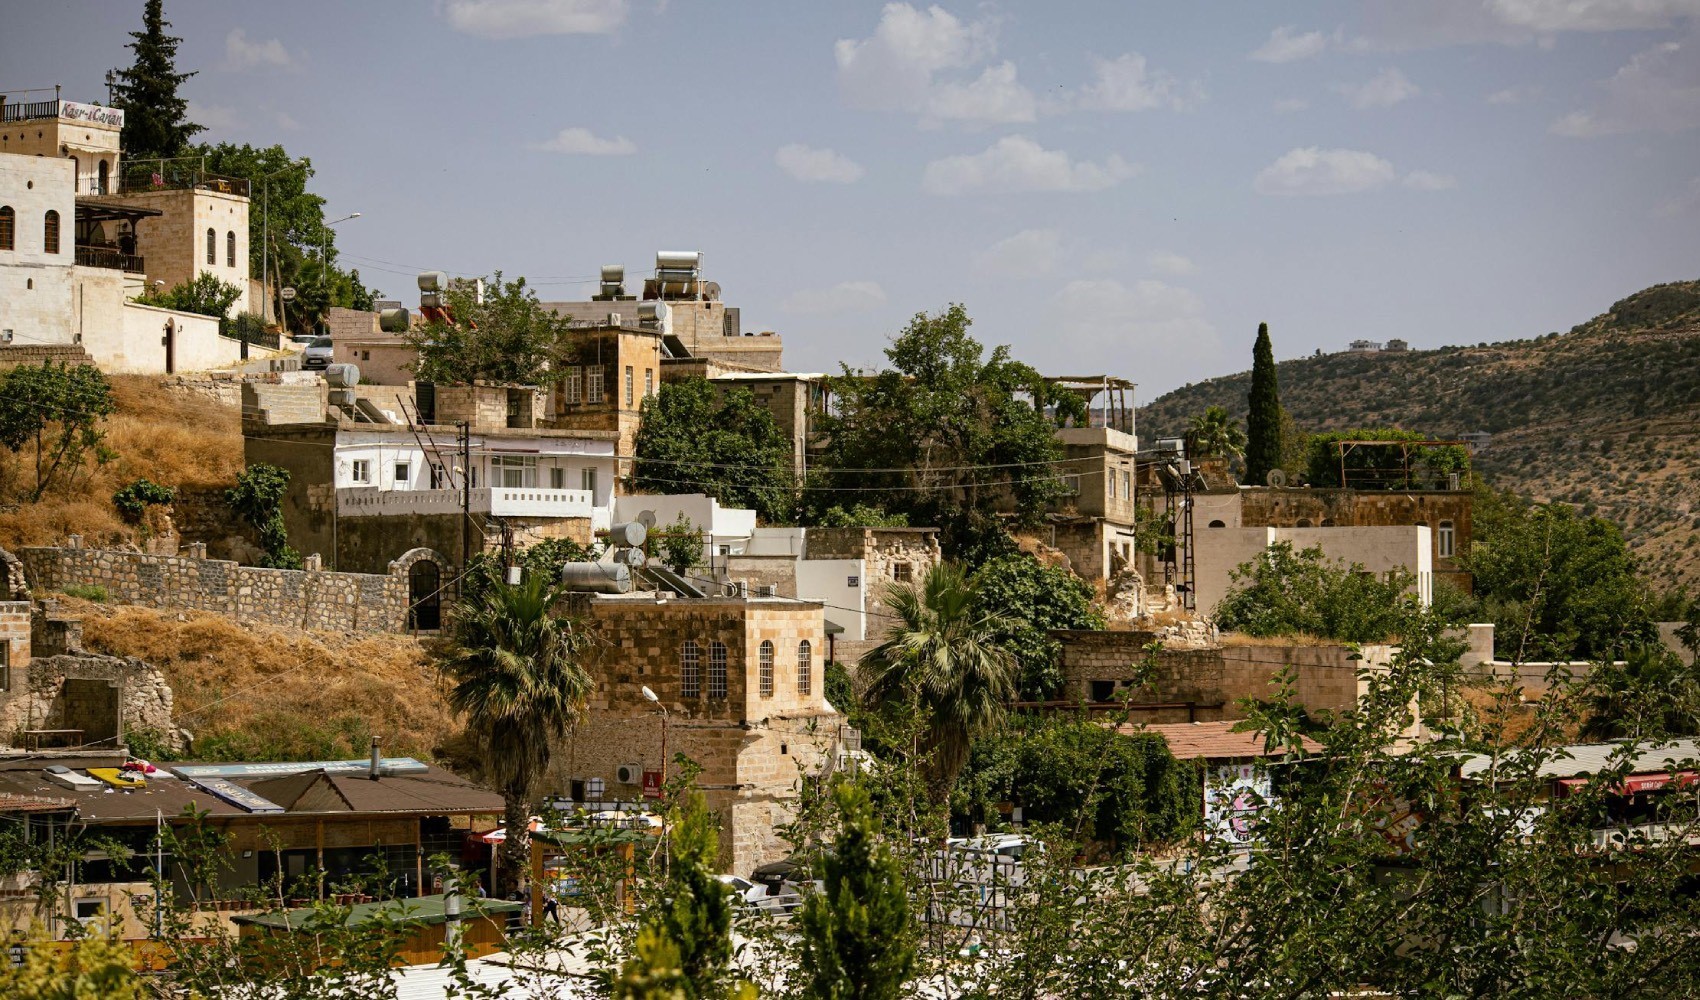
point(860, 515)
point(1383, 467)
point(1035, 599)
point(1283, 592)
point(134, 499)
point(258, 497)
point(207, 295)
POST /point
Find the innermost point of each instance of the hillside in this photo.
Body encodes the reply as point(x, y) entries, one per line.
point(1606, 416)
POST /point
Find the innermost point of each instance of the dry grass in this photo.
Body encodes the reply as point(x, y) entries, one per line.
point(171, 438)
point(267, 693)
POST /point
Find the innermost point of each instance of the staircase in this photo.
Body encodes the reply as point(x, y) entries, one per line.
point(14, 355)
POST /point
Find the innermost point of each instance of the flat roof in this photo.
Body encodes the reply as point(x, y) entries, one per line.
point(426, 910)
point(1579, 759)
point(1212, 740)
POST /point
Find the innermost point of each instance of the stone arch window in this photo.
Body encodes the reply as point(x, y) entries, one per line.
point(1328, 522)
point(1304, 522)
point(104, 178)
point(1446, 540)
point(212, 246)
point(690, 670)
point(50, 232)
point(230, 249)
point(805, 668)
point(424, 596)
point(1218, 524)
point(717, 669)
point(764, 661)
point(8, 228)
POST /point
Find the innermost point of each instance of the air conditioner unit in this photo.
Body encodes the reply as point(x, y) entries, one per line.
point(629, 774)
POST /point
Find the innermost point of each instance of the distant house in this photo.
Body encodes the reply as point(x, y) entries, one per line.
point(1396, 345)
point(1363, 347)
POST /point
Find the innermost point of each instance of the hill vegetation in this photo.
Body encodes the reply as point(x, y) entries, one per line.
point(1605, 417)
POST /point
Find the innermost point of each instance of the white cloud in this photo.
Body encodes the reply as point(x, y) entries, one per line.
point(502, 19)
point(1017, 163)
point(806, 163)
point(1288, 105)
point(905, 65)
point(1684, 203)
point(217, 117)
point(1402, 25)
point(1658, 90)
point(1385, 89)
point(1102, 321)
point(1127, 84)
point(240, 53)
point(1286, 45)
point(583, 142)
point(1591, 15)
point(1173, 264)
point(1423, 180)
point(1514, 95)
point(846, 296)
point(1029, 253)
point(1313, 171)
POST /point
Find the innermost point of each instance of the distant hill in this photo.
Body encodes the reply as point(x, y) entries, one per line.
point(1606, 416)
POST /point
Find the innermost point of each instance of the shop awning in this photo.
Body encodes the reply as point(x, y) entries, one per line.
point(1635, 782)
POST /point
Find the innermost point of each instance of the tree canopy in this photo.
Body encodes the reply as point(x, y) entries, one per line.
point(1031, 599)
point(1383, 467)
point(695, 437)
point(1215, 434)
point(60, 409)
point(1264, 428)
point(156, 117)
point(1283, 592)
point(947, 435)
point(504, 336)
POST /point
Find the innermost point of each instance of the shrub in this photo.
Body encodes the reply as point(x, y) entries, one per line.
point(88, 592)
point(134, 499)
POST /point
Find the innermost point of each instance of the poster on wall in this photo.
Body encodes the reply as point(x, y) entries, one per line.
point(1234, 796)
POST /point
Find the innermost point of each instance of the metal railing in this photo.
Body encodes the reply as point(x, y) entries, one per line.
point(28, 111)
point(183, 174)
point(111, 257)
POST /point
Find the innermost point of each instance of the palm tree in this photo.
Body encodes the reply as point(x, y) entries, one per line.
point(516, 676)
point(940, 650)
point(1214, 433)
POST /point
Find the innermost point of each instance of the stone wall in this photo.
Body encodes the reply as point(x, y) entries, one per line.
point(14, 642)
point(892, 555)
point(308, 599)
point(1262, 507)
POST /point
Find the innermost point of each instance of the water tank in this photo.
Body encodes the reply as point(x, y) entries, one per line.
point(652, 314)
point(342, 375)
point(433, 281)
point(613, 274)
point(678, 260)
point(393, 320)
point(597, 578)
point(631, 533)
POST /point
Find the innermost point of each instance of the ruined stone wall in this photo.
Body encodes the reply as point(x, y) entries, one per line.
point(308, 599)
point(14, 642)
point(105, 697)
point(758, 571)
point(1287, 508)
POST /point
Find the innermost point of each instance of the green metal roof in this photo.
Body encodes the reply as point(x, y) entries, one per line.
point(424, 910)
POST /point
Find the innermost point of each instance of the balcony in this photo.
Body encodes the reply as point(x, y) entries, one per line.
point(110, 257)
point(185, 174)
point(500, 501)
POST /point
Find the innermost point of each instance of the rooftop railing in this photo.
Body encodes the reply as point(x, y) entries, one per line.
point(110, 257)
point(186, 174)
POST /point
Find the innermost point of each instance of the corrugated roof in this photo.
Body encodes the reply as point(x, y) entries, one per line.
point(1591, 758)
point(426, 910)
point(1210, 740)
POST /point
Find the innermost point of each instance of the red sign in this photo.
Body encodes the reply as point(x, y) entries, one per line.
point(652, 784)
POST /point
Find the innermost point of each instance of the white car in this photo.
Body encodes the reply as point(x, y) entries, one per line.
point(755, 896)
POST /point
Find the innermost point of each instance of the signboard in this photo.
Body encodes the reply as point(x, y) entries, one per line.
point(389, 765)
point(92, 113)
point(652, 784)
point(852, 581)
point(1234, 795)
point(238, 796)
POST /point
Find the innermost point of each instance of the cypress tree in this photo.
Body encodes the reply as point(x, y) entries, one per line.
point(1263, 419)
point(858, 942)
point(156, 119)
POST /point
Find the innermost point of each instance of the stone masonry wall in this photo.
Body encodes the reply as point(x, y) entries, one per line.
point(1285, 508)
point(308, 599)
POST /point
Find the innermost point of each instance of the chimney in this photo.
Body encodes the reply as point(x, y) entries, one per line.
point(373, 773)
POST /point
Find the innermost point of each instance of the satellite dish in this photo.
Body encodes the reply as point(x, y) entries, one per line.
point(646, 518)
point(1276, 478)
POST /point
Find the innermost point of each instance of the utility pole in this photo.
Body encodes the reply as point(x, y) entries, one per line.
point(465, 494)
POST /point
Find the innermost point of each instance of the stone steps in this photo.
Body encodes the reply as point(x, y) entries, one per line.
point(15, 355)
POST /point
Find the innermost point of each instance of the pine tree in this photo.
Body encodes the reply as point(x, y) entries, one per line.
point(857, 940)
point(156, 119)
point(1263, 421)
point(690, 929)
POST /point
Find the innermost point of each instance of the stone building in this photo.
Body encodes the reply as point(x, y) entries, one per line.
point(740, 684)
point(607, 373)
point(1093, 523)
point(1446, 513)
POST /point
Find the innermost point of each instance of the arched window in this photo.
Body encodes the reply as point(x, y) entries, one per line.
point(764, 657)
point(8, 228)
point(1304, 522)
point(212, 246)
point(1217, 524)
point(690, 670)
point(1328, 522)
point(717, 669)
point(1446, 540)
point(105, 176)
point(805, 668)
point(50, 232)
point(230, 249)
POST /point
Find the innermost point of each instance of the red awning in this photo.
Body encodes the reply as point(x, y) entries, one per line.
point(1636, 782)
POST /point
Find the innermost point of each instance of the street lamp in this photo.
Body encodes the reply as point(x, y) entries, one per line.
point(325, 256)
point(653, 699)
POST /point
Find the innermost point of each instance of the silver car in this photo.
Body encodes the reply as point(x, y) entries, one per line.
point(318, 354)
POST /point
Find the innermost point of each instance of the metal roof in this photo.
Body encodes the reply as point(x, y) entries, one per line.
point(1211, 740)
point(1591, 758)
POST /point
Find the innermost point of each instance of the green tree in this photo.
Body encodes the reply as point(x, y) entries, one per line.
point(258, 498)
point(133, 499)
point(681, 545)
point(507, 337)
point(1558, 585)
point(1214, 434)
point(946, 435)
point(156, 117)
point(1376, 467)
point(1263, 418)
point(859, 515)
point(93, 967)
point(941, 651)
point(60, 408)
point(1283, 592)
point(1651, 694)
point(1032, 599)
point(692, 921)
point(694, 437)
point(515, 676)
point(205, 294)
point(858, 935)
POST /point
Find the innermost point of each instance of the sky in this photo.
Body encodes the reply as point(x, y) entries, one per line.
point(1107, 186)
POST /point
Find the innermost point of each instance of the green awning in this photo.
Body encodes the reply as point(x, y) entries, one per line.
point(424, 910)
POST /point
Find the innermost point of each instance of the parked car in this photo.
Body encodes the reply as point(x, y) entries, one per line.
point(756, 896)
point(318, 354)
